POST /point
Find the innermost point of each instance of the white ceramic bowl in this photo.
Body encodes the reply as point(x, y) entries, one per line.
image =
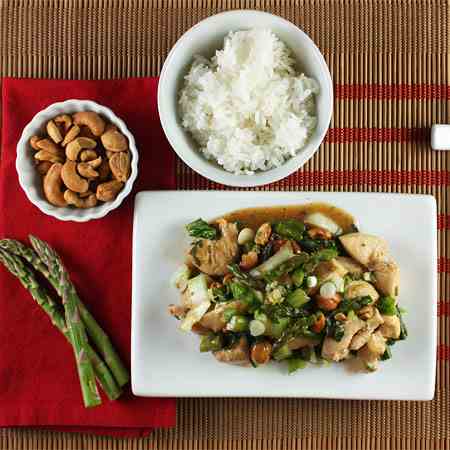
point(31, 181)
point(205, 38)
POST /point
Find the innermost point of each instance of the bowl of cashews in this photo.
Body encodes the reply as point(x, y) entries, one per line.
point(76, 160)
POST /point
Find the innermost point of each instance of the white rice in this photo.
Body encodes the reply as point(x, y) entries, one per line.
point(248, 108)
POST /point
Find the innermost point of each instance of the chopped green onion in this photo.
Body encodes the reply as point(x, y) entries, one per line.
point(386, 306)
point(238, 324)
point(297, 298)
point(328, 289)
point(311, 281)
point(257, 328)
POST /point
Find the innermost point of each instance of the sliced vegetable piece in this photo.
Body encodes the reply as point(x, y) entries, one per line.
point(285, 253)
point(320, 220)
point(194, 316)
point(197, 290)
point(181, 277)
point(298, 277)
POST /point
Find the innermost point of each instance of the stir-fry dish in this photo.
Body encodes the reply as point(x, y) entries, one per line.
point(294, 284)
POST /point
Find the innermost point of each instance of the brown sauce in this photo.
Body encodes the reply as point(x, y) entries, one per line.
point(254, 217)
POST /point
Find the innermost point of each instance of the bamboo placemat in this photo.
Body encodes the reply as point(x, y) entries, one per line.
point(390, 63)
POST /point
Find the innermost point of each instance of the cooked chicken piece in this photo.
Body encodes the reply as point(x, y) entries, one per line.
point(214, 320)
point(350, 264)
point(362, 336)
point(237, 355)
point(372, 351)
point(177, 311)
point(365, 248)
point(391, 327)
point(336, 350)
point(301, 341)
point(360, 288)
point(329, 269)
point(387, 277)
point(214, 256)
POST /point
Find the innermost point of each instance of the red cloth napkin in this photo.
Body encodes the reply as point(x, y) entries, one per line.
point(38, 379)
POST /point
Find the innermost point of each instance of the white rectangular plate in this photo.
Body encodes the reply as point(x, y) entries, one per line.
point(167, 362)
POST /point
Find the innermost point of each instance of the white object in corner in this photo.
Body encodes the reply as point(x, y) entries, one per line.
point(440, 137)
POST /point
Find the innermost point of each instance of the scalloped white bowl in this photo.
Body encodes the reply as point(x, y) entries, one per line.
point(204, 39)
point(30, 180)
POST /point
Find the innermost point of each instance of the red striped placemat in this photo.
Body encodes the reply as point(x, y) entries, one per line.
point(389, 61)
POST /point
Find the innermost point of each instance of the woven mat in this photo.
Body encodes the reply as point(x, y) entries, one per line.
point(390, 63)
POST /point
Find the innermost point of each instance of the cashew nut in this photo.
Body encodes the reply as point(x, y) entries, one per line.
point(54, 132)
point(72, 198)
point(108, 191)
point(43, 167)
point(33, 141)
point(120, 166)
point(52, 186)
point(104, 170)
point(95, 163)
point(114, 141)
point(92, 120)
point(88, 155)
point(64, 119)
point(78, 144)
point(48, 146)
point(86, 170)
point(42, 155)
point(71, 178)
point(71, 135)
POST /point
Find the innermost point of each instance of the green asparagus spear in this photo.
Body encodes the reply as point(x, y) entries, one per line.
point(74, 324)
point(18, 268)
point(98, 336)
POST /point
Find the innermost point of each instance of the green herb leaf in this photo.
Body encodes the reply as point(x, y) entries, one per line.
point(291, 229)
point(201, 229)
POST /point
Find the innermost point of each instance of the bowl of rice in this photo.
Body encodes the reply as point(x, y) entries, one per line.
point(245, 98)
